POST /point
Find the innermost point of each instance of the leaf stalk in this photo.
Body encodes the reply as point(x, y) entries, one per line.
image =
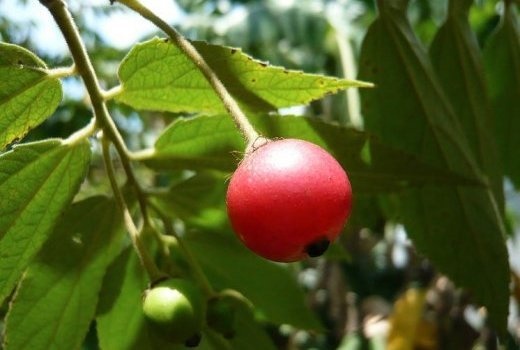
point(252, 137)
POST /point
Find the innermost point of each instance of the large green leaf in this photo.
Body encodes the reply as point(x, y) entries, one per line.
point(28, 94)
point(271, 287)
point(156, 75)
point(457, 60)
point(57, 298)
point(214, 143)
point(37, 182)
point(502, 63)
point(459, 228)
point(120, 320)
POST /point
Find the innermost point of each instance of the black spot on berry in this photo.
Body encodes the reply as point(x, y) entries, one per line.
point(317, 248)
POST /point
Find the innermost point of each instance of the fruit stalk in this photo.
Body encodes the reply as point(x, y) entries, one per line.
point(146, 260)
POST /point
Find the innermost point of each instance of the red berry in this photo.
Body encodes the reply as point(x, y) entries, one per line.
point(288, 200)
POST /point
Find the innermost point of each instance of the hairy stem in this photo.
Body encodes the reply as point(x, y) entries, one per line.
point(61, 72)
point(81, 134)
point(189, 50)
point(146, 261)
point(199, 275)
point(83, 66)
point(236, 295)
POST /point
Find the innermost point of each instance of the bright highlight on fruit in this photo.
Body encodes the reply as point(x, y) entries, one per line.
point(289, 199)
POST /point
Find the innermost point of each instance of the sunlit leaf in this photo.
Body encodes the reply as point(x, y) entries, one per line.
point(28, 94)
point(37, 183)
point(57, 297)
point(156, 75)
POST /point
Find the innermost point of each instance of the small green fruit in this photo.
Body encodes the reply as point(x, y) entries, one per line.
point(176, 309)
point(221, 316)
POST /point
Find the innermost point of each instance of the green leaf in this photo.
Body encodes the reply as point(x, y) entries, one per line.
point(197, 143)
point(502, 63)
point(198, 201)
point(214, 143)
point(459, 228)
point(457, 61)
point(37, 182)
point(120, 319)
point(28, 94)
point(249, 334)
point(270, 287)
point(57, 298)
point(156, 75)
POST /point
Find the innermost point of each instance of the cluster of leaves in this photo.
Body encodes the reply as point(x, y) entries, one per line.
point(66, 265)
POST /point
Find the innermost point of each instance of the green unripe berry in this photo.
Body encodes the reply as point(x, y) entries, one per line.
point(176, 309)
point(221, 316)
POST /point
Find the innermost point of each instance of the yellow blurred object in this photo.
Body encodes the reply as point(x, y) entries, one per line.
point(405, 320)
point(426, 336)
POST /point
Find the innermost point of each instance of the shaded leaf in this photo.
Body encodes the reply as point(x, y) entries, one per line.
point(502, 63)
point(156, 75)
point(457, 61)
point(28, 94)
point(270, 287)
point(198, 200)
point(410, 111)
point(120, 319)
point(214, 143)
point(57, 298)
point(37, 182)
point(249, 334)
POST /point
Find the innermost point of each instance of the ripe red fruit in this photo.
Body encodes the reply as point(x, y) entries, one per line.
point(288, 200)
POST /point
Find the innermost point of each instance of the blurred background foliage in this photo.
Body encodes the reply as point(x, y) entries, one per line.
point(378, 288)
